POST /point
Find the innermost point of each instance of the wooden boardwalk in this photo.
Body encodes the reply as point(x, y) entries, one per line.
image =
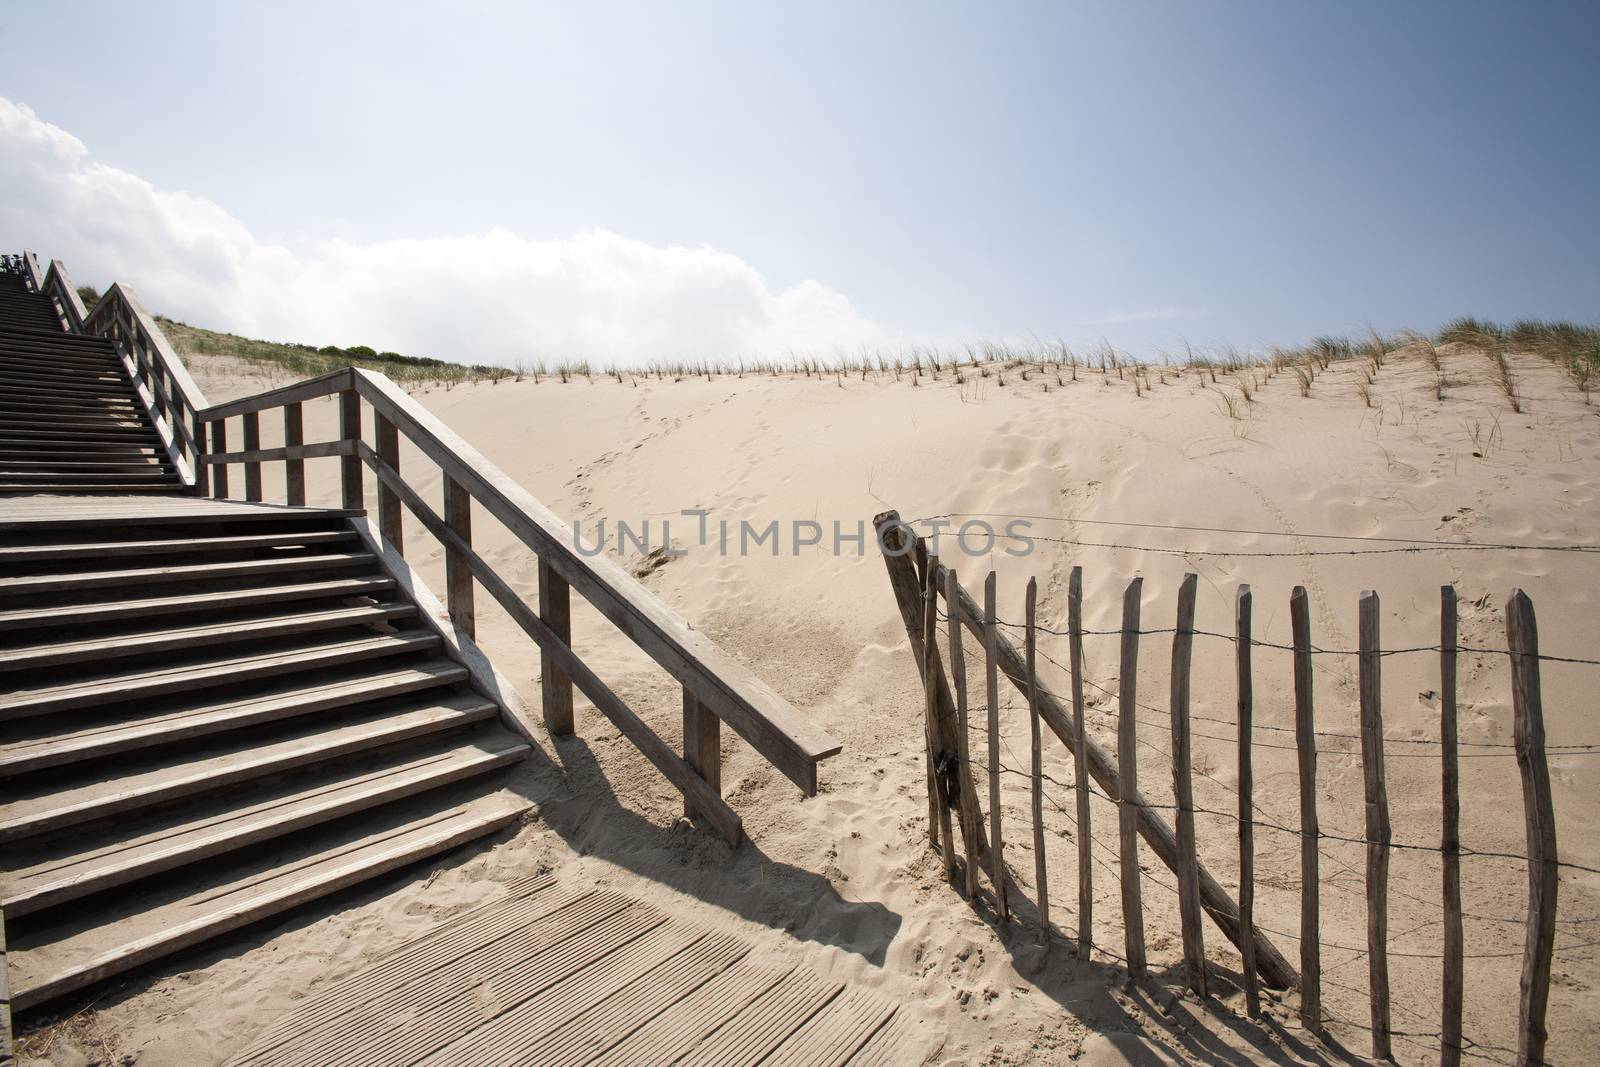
point(555, 975)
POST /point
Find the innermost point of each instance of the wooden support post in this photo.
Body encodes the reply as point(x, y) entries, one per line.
point(1194, 949)
point(1128, 771)
point(932, 679)
point(457, 572)
point(702, 746)
point(958, 676)
point(1080, 765)
point(219, 472)
point(1522, 637)
point(1369, 664)
point(1454, 979)
point(991, 686)
point(1247, 844)
point(390, 524)
point(202, 472)
point(7, 1050)
point(1040, 873)
point(352, 494)
point(555, 609)
point(1305, 739)
point(294, 470)
point(252, 468)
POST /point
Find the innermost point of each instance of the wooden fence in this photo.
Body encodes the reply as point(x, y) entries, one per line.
point(921, 584)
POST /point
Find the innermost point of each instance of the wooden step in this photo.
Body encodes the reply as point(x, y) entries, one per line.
point(176, 721)
point(18, 446)
point(196, 572)
point(123, 409)
point(172, 546)
point(26, 420)
point(163, 680)
point(150, 782)
point(66, 390)
point(10, 475)
point(69, 467)
point(44, 877)
point(67, 488)
point(110, 611)
point(40, 359)
point(145, 642)
point(307, 870)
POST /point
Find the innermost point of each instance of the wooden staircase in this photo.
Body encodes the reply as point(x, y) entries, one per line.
point(210, 711)
point(70, 418)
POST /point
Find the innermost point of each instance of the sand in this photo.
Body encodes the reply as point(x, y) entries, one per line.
point(847, 877)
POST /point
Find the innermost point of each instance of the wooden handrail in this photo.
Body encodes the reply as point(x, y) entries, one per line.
point(59, 288)
point(717, 688)
point(763, 718)
point(160, 379)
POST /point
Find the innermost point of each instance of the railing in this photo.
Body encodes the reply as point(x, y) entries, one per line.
point(171, 397)
point(716, 688)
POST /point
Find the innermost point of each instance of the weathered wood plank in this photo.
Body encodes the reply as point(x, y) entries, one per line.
point(702, 747)
point(1194, 952)
point(1080, 766)
point(958, 675)
point(1305, 739)
point(294, 467)
point(457, 574)
point(1369, 667)
point(1041, 874)
point(219, 447)
point(555, 608)
point(323, 385)
point(351, 491)
point(1128, 772)
point(291, 453)
point(1522, 637)
point(390, 521)
point(252, 467)
point(1247, 847)
point(1454, 978)
point(938, 757)
point(991, 689)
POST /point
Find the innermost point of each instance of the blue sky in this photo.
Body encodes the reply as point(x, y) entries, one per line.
point(1245, 172)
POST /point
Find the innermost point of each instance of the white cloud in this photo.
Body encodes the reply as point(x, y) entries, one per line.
point(491, 297)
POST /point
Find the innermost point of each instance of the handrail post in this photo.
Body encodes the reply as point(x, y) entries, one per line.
point(350, 464)
point(457, 571)
point(202, 472)
point(702, 746)
point(294, 470)
point(219, 444)
point(555, 608)
point(389, 523)
point(252, 468)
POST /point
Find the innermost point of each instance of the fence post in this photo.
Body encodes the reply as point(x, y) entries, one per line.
point(991, 683)
point(932, 679)
point(294, 470)
point(1450, 838)
point(389, 520)
point(1080, 766)
point(958, 678)
point(1128, 774)
point(353, 496)
point(1040, 873)
point(1522, 636)
point(555, 609)
point(1305, 740)
point(1194, 950)
point(1247, 843)
point(702, 746)
point(252, 468)
point(1369, 665)
point(219, 472)
point(457, 574)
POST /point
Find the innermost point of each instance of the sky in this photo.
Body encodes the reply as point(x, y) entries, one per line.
point(629, 183)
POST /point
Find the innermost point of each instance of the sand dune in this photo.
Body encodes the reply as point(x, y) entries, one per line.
point(848, 874)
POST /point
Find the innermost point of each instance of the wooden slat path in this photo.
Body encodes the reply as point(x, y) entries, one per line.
point(556, 974)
